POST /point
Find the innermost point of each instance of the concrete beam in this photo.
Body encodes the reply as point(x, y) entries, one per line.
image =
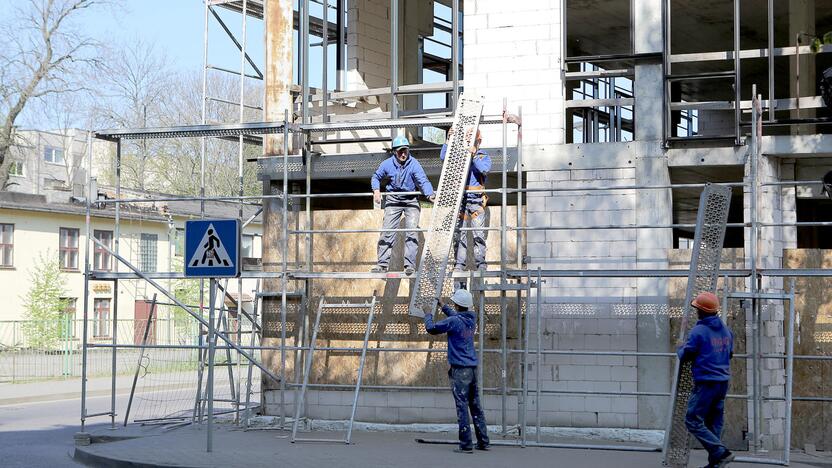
point(798, 146)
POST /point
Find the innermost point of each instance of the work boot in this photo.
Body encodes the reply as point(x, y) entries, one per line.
point(463, 450)
point(378, 269)
point(484, 447)
point(726, 458)
point(409, 270)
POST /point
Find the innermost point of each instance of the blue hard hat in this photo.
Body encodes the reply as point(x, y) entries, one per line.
point(400, 141)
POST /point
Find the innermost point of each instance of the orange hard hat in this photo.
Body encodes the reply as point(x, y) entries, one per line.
point(706, 302)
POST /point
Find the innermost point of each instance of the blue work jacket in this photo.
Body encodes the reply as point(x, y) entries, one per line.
point(460, 327)
point(710, 346)
point(407, 177)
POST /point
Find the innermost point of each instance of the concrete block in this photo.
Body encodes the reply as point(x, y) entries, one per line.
point(598, 373)
point(410, 415)
point(342, 412)
point(598, 404)
point(585, 419)
point(556, 418)
point(372, 399)
point(436, 415)
point(327, 398)
point(400, 399)
point(423, 400)
point(624, 374)
point(366, 413)
point(569, 372)
point(570, 403)
point(610, 420)
point(624, 405)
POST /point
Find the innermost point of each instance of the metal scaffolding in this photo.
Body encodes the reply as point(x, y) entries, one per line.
point(512, 279)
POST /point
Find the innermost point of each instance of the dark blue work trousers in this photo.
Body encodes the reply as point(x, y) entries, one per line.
point(705, 416)
point(467, 396)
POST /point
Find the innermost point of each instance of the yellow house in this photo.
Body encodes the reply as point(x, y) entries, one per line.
point(43, 216)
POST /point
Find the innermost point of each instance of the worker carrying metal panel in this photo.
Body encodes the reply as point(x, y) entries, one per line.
point(473, 212)
point(704, 271)
point(709, 350)
point(445, 215)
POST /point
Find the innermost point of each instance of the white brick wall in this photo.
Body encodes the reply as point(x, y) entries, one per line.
point(513, 49)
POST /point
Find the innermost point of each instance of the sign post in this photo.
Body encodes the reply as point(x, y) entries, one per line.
point(212, 250)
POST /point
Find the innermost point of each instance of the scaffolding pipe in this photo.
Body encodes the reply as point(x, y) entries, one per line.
point(241, 192)
point(116, 244)
point(303, 31)
point(737, 76)
point(87, 269)
point(212, 337)
point(538, 361)
point(455, 53)
point(394, 58)
point(284, 262)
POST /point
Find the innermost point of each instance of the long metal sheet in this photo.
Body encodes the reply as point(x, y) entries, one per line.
point(445, 215)
point(704, 271)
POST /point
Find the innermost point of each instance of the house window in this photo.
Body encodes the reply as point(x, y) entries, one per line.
point(68, 318)
point(101, 318)
point(68, 248)
point(179, 242)
point(16, 168)
point(7, 245)
point(102, 260)
point(53, 155)
point(247, 250)
point(147, 252)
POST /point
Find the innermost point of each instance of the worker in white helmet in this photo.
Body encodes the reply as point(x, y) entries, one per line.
point(461, 326)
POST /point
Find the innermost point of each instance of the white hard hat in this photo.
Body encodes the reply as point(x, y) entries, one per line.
point(463, 298)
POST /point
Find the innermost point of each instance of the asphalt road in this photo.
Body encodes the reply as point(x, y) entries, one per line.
point(41, 434)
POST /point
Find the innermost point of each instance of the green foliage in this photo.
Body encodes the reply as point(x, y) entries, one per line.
point(186, 291)
point(44, 305)
point(819, 42)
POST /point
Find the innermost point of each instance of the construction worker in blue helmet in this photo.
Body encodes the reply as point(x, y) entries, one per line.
point(461, 325)
point(400, 173)
point(472, 212)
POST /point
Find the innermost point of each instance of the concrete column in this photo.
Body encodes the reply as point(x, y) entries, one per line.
point(802, 22)
point(278, 18)
point(652, 207)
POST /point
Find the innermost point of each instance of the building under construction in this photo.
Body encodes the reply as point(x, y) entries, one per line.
point(605, 121)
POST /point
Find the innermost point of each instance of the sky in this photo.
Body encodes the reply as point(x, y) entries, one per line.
point(176, 29)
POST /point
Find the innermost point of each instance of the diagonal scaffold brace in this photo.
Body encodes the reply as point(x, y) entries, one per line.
point(433, 266)
point(704, 271)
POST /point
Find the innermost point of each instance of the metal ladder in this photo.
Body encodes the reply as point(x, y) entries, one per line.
point(704, 271)
point(430, 276)
point(299, 401)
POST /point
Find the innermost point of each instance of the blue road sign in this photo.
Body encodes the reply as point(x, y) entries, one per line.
point(212, 248)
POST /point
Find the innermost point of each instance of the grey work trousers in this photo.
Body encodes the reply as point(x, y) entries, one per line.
point(393, 214)
point(472, 215)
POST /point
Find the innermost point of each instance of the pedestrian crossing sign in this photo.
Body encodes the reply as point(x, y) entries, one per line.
point(212, 248)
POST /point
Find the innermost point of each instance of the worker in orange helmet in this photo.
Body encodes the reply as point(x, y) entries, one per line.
point(710, 347)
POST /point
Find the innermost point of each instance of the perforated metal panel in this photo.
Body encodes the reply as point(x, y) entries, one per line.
point(704, 272)
point(433, 267)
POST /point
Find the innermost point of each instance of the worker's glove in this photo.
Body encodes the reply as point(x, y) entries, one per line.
point(511, 118)
point(377, 197)
point(432, 198)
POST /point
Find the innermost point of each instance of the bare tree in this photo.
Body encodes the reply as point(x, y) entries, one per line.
point(134, 80)
point(42, 55)
point(68, 113)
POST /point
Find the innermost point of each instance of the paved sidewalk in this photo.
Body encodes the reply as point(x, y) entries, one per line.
point(234, 447)
point(62, 389)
